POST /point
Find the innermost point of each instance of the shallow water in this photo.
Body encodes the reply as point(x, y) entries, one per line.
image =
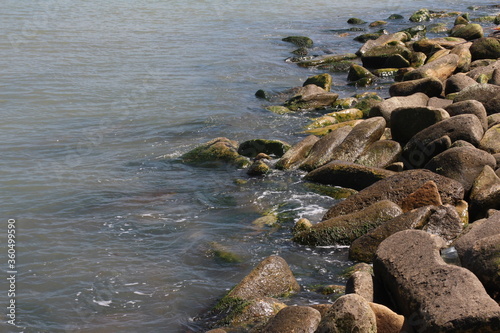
point(98, 101)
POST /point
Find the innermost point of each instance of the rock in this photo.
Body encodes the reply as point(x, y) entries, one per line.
point(258, 168)
point(366, 37)
point(437, 297)
point(217, 150)
point(217, 330)
point(385, 108)
point(321, 80)
point(322, 131)
point(377, 23)
point(468, 32)
point(299, 319)
point(485, 192)
point(357, 72)
point(311, 97)
point(408, 121)
point(395, 17)
point(421, 15)
point(295, 155)
point(252, 148)
point(322, 151)
point(423, 145)
point(491, 140)
point(361, 283)
point(432, 87)
point(469, 107)
point(495, 77)
point(445, 222)
point(380, 154)
point(355, 20)
point(388, 321)
point(487, 94)
point(493, 119)
point(440, 69)
point(326, 59)
point(278, 109)
point(464, 56)
point(345, 229)
point(457, 83)
point(383, 40)
point(438, 54)
point(462, 164)
point(349, 313)
point(364, 248)
point(485, 48)
point(367, 100)
point(484, 71)
point(396, 188)
point(436, 102)
point(300, 41)
point(386, 56)
point(426, 195)
point(347, 174)
point(223, 254)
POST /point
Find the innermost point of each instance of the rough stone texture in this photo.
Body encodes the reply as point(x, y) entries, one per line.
point(468, 31)
point(346, 228)
point(382, 40)
point(408, 121)
point(479, 229)
point(361, 283)
point(440, 69)
point(484, 70)
point(357, 72)
point(253, 311)
point(421, 148)
point(297, 154)
point(364, 248)
point(437, 102)
point(430, 45)
point(436, 296)
point(321, 80)
point(388, 321)
point(217, 150)
point(491, 140)
point(311, 97)
point(464, 56)
point(349, 313)
point(485, 192)
point(252, 148)
point(469, 107)
point(493, 120)
point(445, 222)
point(430, 86)
point(488, 94)
point(380, 154)
point(485, 48)
point(322, 151)
point(347, 174)
point(386, 107)
point(322, 308)
point(396, 188)
point(458, 82)
point(385, 56)
point(297, 319)
point(258, 168)
point(300, 41)
point(462, 164)
point(427, 194)
point(322, 131)
point(217, 330)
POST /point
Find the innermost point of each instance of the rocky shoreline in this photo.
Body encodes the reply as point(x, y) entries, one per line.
point(424, 166)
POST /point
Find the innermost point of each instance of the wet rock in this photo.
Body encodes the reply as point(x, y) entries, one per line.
point(386, 56)
point(300, 319)
point(426, 195)
point(440, 69)
point(396, 188)
point(252, 148)
point(296, 154)
point(445, 222)
point(432, 87)
point(408, 121)
point(366, 37)
point(421, 15)
point(416, 32)
point(346, 115)
point(223, 254)
point(377, 23)
point(322, 131)
point(438, 54)
point(386, 107)
point(217, 150)
point(258, 168)
point(469, 107)
point(485, 48)
point(361, 283)
point(388, 321)
point(345, 229)
point(438, 297)
point(491, 140)
point(364, 248)
point(357, 72)
point(380, 154)
point(467, 31)
point(355, 20)
point(311, 97)
point(485, 192)
point(462, 164)
point(300, 41)
point(349, 313)
point(395, 17)
point(278, 109)
point(326, 59)
point(390, 39)
point(347, 174)
point(321, 80)
point(367, 100)
point(457, 83)
point(424, 145)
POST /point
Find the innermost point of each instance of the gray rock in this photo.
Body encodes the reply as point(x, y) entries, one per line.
point(495, 77)
point(361, 283)
point(445, 222)
point(462, 164)
point(347, 174)
point(396, 188)
point(484, 70)
point(437, 102)
point(299, 319)
point(488, 94)
point(493, 119)
point(458, 82)
point(408, 121)
point(430, 86)
point(385, 108)
point(485, 192)
point(380, 154)
point(349, 313)
point(464, 56)
point(491, 140)
point(297, 154)
point(440, 69)
point(469, 107)
point(437, 297)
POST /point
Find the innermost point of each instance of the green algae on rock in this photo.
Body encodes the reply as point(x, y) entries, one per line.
point(217, 150)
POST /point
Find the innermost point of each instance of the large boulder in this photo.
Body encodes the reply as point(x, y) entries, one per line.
point(467, 31)
point(437, 297)
point(469, 107)
point(485, 48)
point(458, 82)
point(396, 188)
point(298, 153)
point(311, 97)
point(488, 94)
point(440, 69)
point(385, 108)
point(217, 150)
point(430, 86)
point(299, 319)
point(380, 154)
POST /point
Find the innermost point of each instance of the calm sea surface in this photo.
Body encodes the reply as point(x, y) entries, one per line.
point(98, 99)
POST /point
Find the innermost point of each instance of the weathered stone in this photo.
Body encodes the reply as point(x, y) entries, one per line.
point(380, 154)
point(426, 195)
point(326, 59)
point(347, 174)
point(216, 150)
point(485, 192)
point(388, 321)
point(345, 229)
point(364, 248)
point(321, 80)
point(222, 253)
point(457, 83)
point(250, 312)
point(408, 121)
point(491, 140)
point(417, 59)
point(464, 56)
point(421, 15)
point(322, 131)
point(377, 57)
point(278, 109)
point(346, 115)
point(217, 330)
point(295, 155)
point(258, 168)
point(385, 108)
point(397, 61)
point(493, 119)
point(484, 71)
point(357, 72)
point(377, 23)
point(423, 146)
point(437, 102)
point(367, 100)
point(485, 48)
point(300, 41)
point(469, 31)
point(322, 151)
point(396, 188)
point(299, 319)
point(445, 222)
point(462, 164)
point(252, 148)
point(430, 86)
point(469, 107)
point(361, 283)
point(366, 37)
point(495, 77)
point(429, 45)
point(440, 69)
point(438, 297)
point(438, 54)
point(479, 229)
point(311, 97)
point(487, 94)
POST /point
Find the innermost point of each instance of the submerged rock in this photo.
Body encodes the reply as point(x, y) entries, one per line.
point(216, 150)
point(300, 41)
point(252, 148)
point(321, 80)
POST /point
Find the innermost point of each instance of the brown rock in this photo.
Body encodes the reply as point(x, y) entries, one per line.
point(469, 107)
point(361, 283)
point(458, 82)
point(445, 222)
point(426, 195)
point(464, 56)
point(491, 140)
point(437, 102)
point(380, 154)
point(488, 94)
point(430, 86)
point(440, 69)
point(485, 192)
point(297, 319)
point(388, 321)
point(297, 154)
point(385, 108)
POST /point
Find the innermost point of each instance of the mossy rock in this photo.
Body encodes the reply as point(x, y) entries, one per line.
point(377, 23)
point(301, 51)
point(366, 37)
point(267, 220)
point(278, 109)
point(385, 72)
point(327, 59)
point(421, 15)
point(338, 66)
point(221, 253)
point(323, 121)
point(485, 48)
point(357, 72)
point(438, 28)
point(300, 41)
point(252, 148)
point(416, 32)
point(467, 32)
point(217, 150)
point(485, 19)
point(335, 192)
point(345, 103)
point(366, 101)
point(395, 17)
point(346, 115)
point(258, 168)
point(321, 80)
point(330, 128)
point(355, 20)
